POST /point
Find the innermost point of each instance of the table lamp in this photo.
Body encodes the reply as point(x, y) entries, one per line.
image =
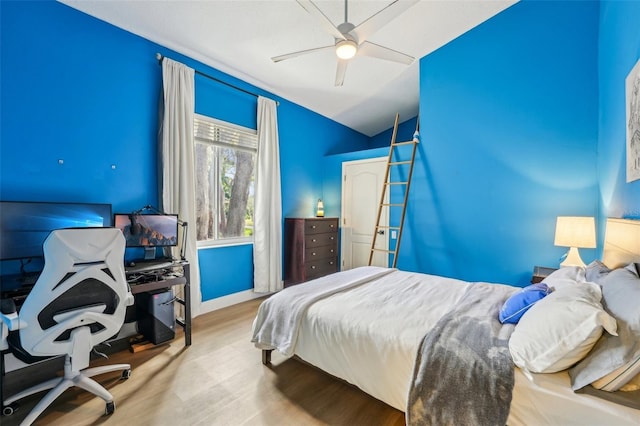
point(320, 208)
point(575, 232)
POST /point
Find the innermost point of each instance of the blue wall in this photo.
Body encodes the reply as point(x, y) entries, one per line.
point(76, 89)
point(508, 120)
point(619, 51)
point(515, 117)
point(225, 271)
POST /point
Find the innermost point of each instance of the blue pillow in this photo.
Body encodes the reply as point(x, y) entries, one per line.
point(520, 302)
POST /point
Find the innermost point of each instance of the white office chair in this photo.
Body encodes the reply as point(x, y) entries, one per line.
point(79, 301)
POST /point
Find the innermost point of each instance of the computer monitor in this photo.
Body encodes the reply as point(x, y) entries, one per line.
point(148, 230)
point(24, 225)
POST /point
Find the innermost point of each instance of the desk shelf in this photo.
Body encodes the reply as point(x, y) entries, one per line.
point(159, 283)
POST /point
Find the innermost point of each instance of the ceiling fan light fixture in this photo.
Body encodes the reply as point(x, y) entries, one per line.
point(346, 49)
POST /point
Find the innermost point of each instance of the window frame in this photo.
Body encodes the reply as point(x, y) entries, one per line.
point(231, 241)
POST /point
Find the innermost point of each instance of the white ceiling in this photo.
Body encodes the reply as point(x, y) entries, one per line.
point(239, 37)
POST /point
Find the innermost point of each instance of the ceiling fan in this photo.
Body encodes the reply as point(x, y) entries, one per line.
point(351, 40)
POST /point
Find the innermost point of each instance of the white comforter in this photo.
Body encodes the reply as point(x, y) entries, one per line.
point(278, 321)
point(383, 321)
point(369, 336)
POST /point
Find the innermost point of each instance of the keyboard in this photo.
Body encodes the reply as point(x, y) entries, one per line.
point(148, 265)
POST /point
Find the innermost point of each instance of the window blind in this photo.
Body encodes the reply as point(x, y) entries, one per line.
point(225, 134)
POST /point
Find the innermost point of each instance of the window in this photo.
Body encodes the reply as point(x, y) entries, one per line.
point(225, 158)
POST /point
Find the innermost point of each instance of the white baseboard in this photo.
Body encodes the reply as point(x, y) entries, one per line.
point(231, 299)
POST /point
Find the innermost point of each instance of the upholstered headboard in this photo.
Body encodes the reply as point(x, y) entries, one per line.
point(621, 242)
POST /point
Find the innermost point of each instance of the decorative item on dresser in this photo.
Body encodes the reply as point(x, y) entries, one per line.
point(310, 248)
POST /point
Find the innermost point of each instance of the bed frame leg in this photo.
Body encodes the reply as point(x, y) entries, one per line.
point(266, 356)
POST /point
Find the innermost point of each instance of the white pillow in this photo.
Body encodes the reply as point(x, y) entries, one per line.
point(565, 276)
point(560, 329)
point(614, 360)
point(571, 274)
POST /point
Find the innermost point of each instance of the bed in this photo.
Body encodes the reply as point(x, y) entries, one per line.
point(395, 334)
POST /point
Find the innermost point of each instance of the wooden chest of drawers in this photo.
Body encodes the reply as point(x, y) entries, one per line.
point(310, 248)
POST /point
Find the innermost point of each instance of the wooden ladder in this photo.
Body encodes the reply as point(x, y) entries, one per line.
point(395, 160)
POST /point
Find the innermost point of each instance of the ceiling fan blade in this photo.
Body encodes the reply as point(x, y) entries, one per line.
point(310, 7)
point(341, 71)
point(300, 53)
point(376, 51)
point(382, 18)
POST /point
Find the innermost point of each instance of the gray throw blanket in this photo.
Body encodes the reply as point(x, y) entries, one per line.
point(463, 374)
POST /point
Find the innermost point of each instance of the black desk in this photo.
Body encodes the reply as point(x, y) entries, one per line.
point(166, 275)
point(163, 277)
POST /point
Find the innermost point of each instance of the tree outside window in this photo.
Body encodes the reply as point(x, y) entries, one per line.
point(225, 161)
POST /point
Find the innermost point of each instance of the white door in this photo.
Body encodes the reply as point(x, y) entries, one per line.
point(362, 183)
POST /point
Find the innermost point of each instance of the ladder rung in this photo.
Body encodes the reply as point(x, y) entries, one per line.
point(395, 183)
point(397, 163)
point(404, 143)
point(387, 227)
point(384, 250)
point(392, 205)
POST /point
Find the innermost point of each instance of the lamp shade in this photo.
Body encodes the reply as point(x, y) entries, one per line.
point(575, 231)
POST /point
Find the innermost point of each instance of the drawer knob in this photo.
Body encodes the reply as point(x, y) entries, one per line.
point(331, 238)
point(313, 226)
point(331, 250)
point(313, 267)
point(314, 240)
point(331, 263)
point(313, 254)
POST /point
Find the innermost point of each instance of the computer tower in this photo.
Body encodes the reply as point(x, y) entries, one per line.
point(156, 317)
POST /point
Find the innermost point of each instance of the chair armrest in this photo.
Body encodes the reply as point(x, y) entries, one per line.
point(9, 315)
point(129, 300)
point(12, 321)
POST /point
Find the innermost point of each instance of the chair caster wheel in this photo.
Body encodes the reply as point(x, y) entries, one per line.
point(110, 408)
point(126, 374)
point(9, 409)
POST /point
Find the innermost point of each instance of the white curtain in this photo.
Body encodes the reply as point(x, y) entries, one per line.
point(267, 234)
point(177, 182)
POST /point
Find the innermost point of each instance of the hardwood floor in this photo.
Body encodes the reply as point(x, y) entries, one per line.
point(218, 380)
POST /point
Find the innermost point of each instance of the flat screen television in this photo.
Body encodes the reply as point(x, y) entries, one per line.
point(148, 230)
point(24, 225)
